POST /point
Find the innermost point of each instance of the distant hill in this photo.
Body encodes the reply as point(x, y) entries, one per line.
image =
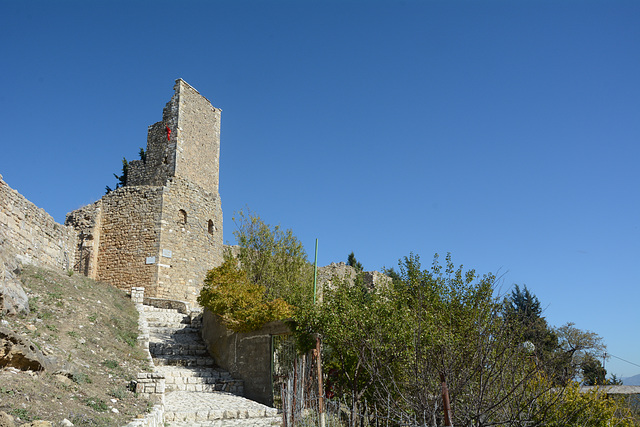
point(634, 380)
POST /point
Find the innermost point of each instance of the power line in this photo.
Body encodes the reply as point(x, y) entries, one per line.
point(634, 364)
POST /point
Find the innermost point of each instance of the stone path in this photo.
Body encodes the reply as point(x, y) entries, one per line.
point(197, 392)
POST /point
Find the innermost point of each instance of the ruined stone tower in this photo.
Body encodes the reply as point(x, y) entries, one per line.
point(163, 229)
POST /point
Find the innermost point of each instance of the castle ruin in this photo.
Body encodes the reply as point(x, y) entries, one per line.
point(163, 229)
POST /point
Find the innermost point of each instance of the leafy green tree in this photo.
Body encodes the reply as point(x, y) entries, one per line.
point(389, 347)
point(458, 334)
point(522, 312)
point(575, 345)
point(522, 309)
point(273, 258)
point(362, 330)
point(353, 262)
point(267, 280)
point(242, 305)
point(593, 373)
point(576, 341)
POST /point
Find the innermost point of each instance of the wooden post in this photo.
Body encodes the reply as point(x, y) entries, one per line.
point(445, 402)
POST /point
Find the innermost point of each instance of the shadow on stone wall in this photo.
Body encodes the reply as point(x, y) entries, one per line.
point(246, 356)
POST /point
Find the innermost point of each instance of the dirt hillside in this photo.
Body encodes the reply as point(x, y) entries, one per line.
point(85, 331)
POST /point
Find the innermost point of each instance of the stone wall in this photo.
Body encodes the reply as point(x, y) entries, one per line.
point(245, 355)
point(197, 138)
point(341, 271)
point(190, 150)
point(31, 235)
point(162, 238)
point(136, 172)
point(129, 237)
point(190, 239)
point(163, 229)
point(87, 222)
point(160, 162)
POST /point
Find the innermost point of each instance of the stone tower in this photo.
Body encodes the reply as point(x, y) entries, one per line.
point(163, 229)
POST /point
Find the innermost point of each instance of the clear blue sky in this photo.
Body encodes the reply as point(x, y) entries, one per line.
point(504, 132)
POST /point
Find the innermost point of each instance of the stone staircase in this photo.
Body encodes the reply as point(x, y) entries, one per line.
point(197, 392)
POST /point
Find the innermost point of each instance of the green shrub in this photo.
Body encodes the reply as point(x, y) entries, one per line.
point(570, 407)
point(96, 404)
point(118, 393)
point(111, 364)
point(242, 305)
point(81, 378)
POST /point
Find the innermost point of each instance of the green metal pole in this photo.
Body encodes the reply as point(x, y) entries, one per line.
point(315, 274)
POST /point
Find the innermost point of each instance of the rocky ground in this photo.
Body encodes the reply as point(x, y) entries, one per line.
point(73, 356)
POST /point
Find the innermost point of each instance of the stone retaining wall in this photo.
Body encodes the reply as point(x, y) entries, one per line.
point(245, 355)
point(31, 235)
point(148, 384)
point(155, 418)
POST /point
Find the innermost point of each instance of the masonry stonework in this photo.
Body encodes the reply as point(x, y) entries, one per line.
point(163, 229)
point(30, 235)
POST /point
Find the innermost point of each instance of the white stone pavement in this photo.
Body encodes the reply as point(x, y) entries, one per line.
point(218, 408)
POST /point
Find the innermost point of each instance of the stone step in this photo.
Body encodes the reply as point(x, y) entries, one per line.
point(175, 339)
point(161, 324)
point(169, 360)
point(168, 325)
point(165, 314)
point(158, 349)
point(192, 380)
point(179, 352)
point(150, 308)
point(201, 380)
point(230, 387)
point(181, 372)
point(197, 391)
point(165, 317)
point(175, 329)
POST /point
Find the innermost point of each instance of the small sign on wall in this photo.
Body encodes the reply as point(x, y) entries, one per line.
point(151, 260)
point(166, 253)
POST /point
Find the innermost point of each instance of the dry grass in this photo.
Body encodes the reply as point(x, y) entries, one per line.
point(91, 329)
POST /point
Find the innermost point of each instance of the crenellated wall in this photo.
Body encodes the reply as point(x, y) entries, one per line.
point(31, 235)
